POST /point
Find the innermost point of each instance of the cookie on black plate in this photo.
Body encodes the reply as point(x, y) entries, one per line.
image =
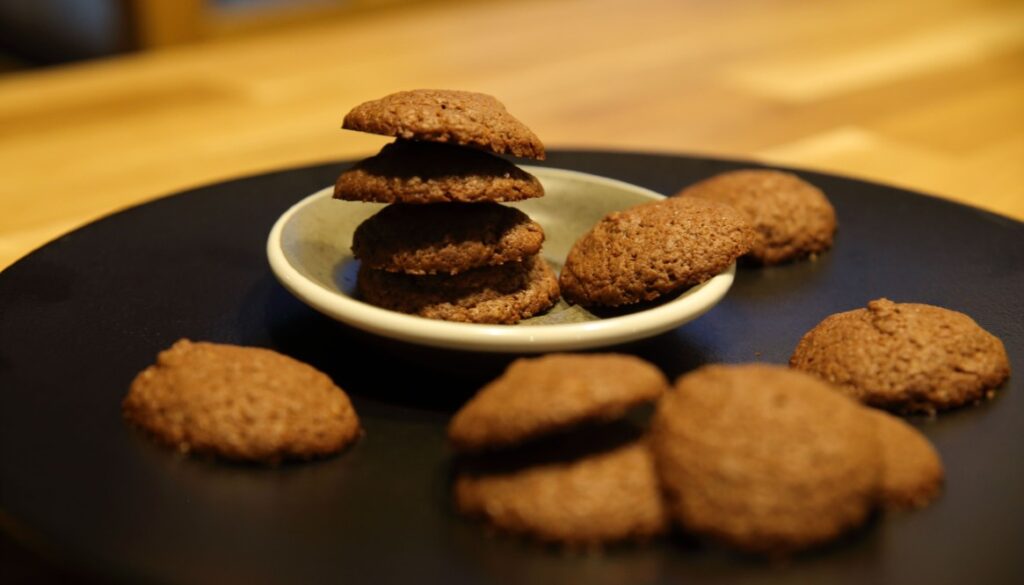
point(244, 403)
point(906, 357)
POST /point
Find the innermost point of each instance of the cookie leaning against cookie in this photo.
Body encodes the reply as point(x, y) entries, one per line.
point(601, 497)
point(426, 172)
point(503, 294)
point(792, 219)
point(243, 403)
point(445, 238)
point(464, 118)
point(539, 396)
point(907, 357)
point(912, 472)
point(764, 458)
point(652, 250)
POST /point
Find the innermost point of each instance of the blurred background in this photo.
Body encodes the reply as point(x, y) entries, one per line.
point(106, 103)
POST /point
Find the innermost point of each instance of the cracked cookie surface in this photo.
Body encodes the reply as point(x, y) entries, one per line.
point(242, 403)
point(462, 118)
point(907, 357)
point(655, 249)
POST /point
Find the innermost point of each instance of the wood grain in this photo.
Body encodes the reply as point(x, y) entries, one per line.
point(919, 94)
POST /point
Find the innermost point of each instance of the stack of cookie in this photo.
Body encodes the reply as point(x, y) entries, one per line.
point(533, 465)
point(444, 247)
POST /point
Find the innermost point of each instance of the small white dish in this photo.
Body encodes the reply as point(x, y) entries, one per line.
point(309, 252)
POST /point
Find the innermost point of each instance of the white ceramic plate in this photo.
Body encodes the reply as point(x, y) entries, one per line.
point(309, 252)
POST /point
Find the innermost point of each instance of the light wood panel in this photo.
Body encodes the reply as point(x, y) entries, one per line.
point(919, 94)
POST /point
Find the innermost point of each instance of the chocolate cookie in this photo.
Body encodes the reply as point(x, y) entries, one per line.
point(445, 238)
point(764, 458)
point(652, 250)
point(242, 403)
point(538, 396)
point(499, 294)
point(608, 496)
point(426, 172)
point(912, 473)
point(905, 356)
point(457, 117)
point(792, 218)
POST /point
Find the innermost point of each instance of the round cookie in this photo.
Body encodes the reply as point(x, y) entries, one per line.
point(792, 218)
point(539, 396)
point(242, 403)
point(599, 498)
point(763, 458)
point(912, 473)
point(427, 172)
point(458, 117)
point(498, 294)
point(653, 250)
point(905, 356)
point(447, 239)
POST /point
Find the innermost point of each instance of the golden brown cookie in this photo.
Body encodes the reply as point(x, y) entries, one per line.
point(539, 396)
point(445, 238)
point(243, 403)
point(912, 472)
point(457, 117)
point(764, 458)
point(499, 294)
point(905, 356)
point(427, 172)
point(792, 218)
point(608, 496)
point(652, 250)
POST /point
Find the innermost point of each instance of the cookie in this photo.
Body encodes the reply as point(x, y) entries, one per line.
point(539, 396)
point(905, 356)
point(792, 218)
point(426, 172)
point(608, 496)
point(445, 239)
point(912, 473)
point(498, 295)
point(457, 117)
point(653, 250)
point(763, 458)
point(243, 403)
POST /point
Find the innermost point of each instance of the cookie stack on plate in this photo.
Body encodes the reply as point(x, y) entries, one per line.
point(445, 247)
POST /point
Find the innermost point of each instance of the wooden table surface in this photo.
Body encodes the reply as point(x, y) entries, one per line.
point(920, 94)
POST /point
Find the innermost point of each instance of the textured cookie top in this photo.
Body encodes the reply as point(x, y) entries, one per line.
point(765, 458)
point(446, 239)
point(464, 118)
point(912, 472)
point(426, 172)
point(652, 250)
point(538, 396)
point(498, 295)
point(791, 217)
point(603, 497)
point(242, 403)
point(905, 356)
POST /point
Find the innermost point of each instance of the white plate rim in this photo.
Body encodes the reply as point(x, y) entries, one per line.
point(495, 338)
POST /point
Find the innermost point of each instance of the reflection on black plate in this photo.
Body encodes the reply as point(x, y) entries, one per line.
point(81, 316)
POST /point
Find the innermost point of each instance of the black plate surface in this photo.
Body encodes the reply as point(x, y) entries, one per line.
point(82, 315)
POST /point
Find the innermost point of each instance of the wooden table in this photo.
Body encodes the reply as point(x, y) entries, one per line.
point(919, 94)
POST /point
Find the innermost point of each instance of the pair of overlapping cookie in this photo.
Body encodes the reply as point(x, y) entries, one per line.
point(445, 247)
point(760, 457)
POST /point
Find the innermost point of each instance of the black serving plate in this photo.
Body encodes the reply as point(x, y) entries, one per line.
point(82, 315)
